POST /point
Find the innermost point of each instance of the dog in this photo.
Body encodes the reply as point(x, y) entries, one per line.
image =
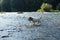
point(34, 21)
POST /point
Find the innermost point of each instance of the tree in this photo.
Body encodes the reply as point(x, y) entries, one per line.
point(21, 5)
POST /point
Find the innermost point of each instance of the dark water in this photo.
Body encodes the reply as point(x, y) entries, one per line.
point(16, 27)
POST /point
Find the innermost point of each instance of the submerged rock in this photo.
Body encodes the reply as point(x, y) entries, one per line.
point(4, 36)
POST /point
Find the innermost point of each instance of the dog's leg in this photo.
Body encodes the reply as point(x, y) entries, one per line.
point(33, 23)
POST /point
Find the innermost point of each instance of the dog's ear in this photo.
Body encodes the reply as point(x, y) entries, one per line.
point(30, 18)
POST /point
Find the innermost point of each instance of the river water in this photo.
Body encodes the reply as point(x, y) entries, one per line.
point(14, 26)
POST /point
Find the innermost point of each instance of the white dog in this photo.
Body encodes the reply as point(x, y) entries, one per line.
point(34, 21)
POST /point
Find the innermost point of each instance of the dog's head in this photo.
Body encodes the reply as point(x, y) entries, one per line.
point(30, 19)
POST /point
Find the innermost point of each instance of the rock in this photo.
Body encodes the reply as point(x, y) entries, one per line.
point(4, 36)
point(1, 30)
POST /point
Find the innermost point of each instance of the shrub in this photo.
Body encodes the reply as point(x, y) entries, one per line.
point(45, 7)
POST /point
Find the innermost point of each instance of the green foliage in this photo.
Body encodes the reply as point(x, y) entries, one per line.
point(55, 11)
point(27, 5)
point(45, 7)
point(1, 2)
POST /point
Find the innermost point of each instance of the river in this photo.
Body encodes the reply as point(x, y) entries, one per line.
point(14, 26)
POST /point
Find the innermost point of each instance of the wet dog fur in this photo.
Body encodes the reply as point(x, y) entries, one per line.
point(33, 20)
